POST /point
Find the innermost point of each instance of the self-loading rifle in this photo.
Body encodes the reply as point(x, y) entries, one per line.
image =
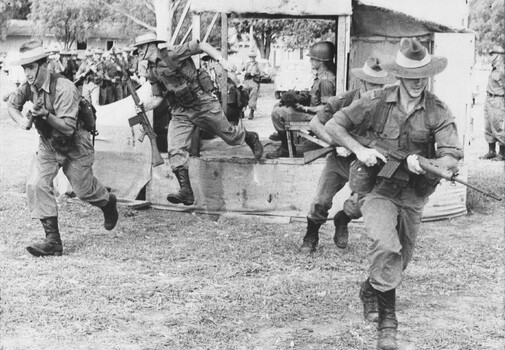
point(395, 159)
point(141, 117)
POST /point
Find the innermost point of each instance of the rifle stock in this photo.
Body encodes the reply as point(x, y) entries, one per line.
point(310, 156)
point(141, 118)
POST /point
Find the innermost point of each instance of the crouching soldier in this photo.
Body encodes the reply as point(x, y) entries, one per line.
point(63, 143)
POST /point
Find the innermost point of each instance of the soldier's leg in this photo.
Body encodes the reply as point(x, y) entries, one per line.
point(253, 98)
point(488, 130)
point(333, 178)
point(498, 125)
point(94, 94)
point(77, 167)
point(211, 117)
point(179, 134)
point(41, 202)
point(350, 211)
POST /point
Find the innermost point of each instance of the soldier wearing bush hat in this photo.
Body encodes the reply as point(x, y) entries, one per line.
point(336, 171)
point(494, 108)
point(407, 117)
point(192, 103)
point(63, 143)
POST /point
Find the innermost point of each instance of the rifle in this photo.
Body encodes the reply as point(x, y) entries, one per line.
point(396, 157)
point(141, 118)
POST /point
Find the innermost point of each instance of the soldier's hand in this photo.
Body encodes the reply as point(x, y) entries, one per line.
point(301, 107)
point(139, 108)
point(370, 156)
point(41, 112)
point(414, 166)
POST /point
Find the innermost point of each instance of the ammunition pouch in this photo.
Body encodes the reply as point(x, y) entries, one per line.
point(425, 184)
point(205, 81)
point(63, 144)
point(87, 115)
point(43, 128)
point(184, 96)
point(362, 179)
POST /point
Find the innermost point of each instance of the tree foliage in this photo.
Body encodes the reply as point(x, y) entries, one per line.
point(487, 19)
point(293, 33)
point(12, 9)
point(67, 20)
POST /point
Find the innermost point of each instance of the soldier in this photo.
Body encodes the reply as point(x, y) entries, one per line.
point(173, 75)
point(321, 58)
point(252, 79)
point(87, 73)
point(69, 66)
point(494, 109)
point(63, 144)
point(336, 171)
point(410, 118)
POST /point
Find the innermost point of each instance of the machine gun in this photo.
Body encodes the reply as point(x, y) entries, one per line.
point(141, 117)
point(395, 159)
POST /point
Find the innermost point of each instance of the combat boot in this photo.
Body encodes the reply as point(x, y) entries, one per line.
point(185, 193)
point(388, 324)
point(282, 151)
point(110, 213)
point(311, 238)
point(369, 299)
point(251, 114)
point(253, 141)
point(491, 153)
point(52, 244)
point(341, 236)
point(501, 155)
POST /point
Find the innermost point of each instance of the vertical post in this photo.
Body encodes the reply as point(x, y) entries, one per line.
point(343, 38)
point(195, 137)
point(224, 53)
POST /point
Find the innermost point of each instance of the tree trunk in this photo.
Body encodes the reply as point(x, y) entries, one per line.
point(164, 18)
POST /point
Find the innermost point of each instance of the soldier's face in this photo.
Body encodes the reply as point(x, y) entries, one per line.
point(414, 87)
point(34, 71)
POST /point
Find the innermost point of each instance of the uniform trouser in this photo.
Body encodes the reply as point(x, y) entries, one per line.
point(77, 167)
point(252, 89)
point(209, 116)
point(283, 114)
point(494, 115)
point(393, 225)
point(91, 92)
point(334, 176)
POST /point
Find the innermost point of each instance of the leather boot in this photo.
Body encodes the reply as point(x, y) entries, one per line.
point(501, 155)
point(388, 323)
point(185, 193)
point(52, 244)
point(110, 213)
point(491, 153)
point(282, 151)
point(311, 238)
point(341, 236)
point(251, 114)
point(369, 299)
point(253, 141)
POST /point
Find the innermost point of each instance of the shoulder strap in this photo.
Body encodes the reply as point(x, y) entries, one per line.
point(381, 111)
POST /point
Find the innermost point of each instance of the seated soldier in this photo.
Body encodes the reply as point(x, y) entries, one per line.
point(321, 58)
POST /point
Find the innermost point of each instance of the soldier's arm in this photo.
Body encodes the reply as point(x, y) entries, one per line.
point(318, 128)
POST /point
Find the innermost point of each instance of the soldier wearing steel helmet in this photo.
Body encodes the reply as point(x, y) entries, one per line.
point(321, 58)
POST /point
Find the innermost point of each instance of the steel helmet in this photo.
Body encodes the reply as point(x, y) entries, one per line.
point(322, 51)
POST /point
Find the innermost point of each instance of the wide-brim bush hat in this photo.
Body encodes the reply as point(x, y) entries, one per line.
point(413, 61)
point(147, 38)
point(30, 52)
point(372, 73)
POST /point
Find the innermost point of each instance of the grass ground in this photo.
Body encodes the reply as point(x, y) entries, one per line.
point(166, 280)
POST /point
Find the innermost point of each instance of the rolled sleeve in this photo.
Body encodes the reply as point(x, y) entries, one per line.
point(19, 97)
point(356, 113)
point(446, 137)
point(181, 52)
point(327, 90)
point(66, 102)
